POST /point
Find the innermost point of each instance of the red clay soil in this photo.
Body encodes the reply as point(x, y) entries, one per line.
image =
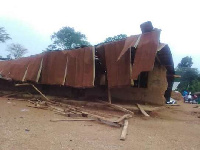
point(22, 128)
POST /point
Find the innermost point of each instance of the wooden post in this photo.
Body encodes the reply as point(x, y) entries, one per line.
point(109, 96)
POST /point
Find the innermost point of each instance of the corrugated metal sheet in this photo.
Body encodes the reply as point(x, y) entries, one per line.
point(129, 42)
point(53, 68)
point(145, 53)
point(118, 71)
point(14, 69)
point(80, 67)
point(33, 72)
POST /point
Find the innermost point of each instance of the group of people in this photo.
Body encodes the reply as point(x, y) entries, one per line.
point(189, 98)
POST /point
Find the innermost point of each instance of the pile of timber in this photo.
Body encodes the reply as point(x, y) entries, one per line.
point(78, 112)
point(74, 113)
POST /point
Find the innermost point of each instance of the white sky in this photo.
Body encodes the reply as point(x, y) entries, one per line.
point(31, 22)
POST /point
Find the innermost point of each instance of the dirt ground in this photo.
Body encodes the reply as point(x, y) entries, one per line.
point(26, 128)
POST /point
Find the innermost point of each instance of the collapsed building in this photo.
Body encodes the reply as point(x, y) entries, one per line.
point(138, 69)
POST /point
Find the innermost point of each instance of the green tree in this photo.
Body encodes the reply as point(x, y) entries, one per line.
point(16, 50)
point(188, 74)
point(52, 47)
point(115, 38)
point(3, 35)
point(195, 86)
point(67, 38)
point(185, 62)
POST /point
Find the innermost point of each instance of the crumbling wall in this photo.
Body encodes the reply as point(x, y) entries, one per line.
point(153, 94)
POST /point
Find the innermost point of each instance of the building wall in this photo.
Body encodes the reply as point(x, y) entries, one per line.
point(153, 94)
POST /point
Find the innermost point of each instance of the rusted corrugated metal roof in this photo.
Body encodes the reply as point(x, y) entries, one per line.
point(76, 68)
point(70, 67)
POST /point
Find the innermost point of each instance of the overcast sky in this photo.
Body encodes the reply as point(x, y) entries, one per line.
point(31, 22)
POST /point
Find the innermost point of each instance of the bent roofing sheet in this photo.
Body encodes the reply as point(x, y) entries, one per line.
point(145, 53)
point(129, 42)
point(117, 56)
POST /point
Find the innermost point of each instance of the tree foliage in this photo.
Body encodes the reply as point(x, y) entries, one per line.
point(3, 35)
point(195, 86)
point(67, 38)
point(115, 38)
point(16, 50)
point(185, 62)
point(189, 76)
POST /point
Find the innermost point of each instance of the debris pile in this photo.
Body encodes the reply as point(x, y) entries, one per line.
point(117, 118)
point(74, 113)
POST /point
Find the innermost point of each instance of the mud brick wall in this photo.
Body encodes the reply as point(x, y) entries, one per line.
point(153, 94)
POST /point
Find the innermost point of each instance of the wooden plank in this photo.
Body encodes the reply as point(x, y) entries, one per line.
point(65, 75)
point(39, 71)
point(101, 119)
point(70, 119)
point(24, 77)
point(39, 107)
point(124, 130)
point(123, 117)
point(142, 110)
point(117, 107)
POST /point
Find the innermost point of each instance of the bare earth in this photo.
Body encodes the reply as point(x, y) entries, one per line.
point(25, 128)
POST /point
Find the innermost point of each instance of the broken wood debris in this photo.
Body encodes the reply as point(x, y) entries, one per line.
point(71, 111)
point(126, 116)
point(124, 130)
point(142, 110)
point(75, 113)
point(75, 119)
point(117, 107)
